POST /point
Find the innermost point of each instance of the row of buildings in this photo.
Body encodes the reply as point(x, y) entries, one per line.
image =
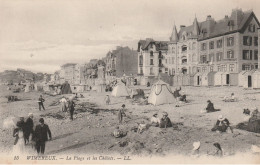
point(227, 45)
point(116, 63)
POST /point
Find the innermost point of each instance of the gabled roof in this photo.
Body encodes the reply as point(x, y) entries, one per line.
point(210, 28)
point(160, 45)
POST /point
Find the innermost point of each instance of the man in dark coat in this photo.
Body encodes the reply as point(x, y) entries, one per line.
point(28, 128)
point(71, 106)
point(40, 101)
point(210, 107)
point(165, 121)
point(40, 136)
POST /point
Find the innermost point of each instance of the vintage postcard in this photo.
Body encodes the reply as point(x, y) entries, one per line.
point(129, 81)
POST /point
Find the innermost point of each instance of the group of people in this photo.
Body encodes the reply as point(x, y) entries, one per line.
point(68, 104)
point(25, 130)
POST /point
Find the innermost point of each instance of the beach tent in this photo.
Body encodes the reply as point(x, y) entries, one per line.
point(197, 79)
point(207, 79)
point(185, 80)
point(217, 79)
point(161, 94)
point(65, 88)
point(233, 79)
point(225, 78)
point(119, 90)
point(28, 87)
point(241, 78)
point(256, 79)
point(248, 79)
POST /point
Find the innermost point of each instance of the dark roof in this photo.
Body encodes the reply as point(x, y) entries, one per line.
point(238, 20)
point(160, 45)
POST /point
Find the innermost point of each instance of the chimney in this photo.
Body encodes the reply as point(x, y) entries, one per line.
point(182, 26)
point(208, 17)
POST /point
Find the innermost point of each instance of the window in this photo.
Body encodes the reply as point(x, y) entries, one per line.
point(184, 48)
point(151, 53)
point(219, 56)
point(219, 43)
point(231, 67)
point(256, 55)
point(151, 61)
point(224, 68)
point(151, 71)
point(141, 60)
point(230, 54)
point(203, 59)
point(198, 69)
point(247, 55)
point(219, 68)
point(256, 41)
point(160, 54)
point(203, 46)
point(211, 68)
point(256, 66)
point(251, 28)
point(247, 40)
point(211, 45)
point(204, 69)
point(141, 70)
point(166, 70)
point(211, 57)
point(230, 41)
point(245, 67)
point(184, 61)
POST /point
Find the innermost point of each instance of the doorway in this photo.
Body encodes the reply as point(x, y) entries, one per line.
point(198, 80)
point(249, 81)
point(227, 79)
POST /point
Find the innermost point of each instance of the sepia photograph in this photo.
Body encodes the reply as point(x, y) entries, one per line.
point(129, 82)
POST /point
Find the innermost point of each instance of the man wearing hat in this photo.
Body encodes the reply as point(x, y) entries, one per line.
point(71, 106)
point(28, 128)
point(40, 102)
point(222, 124)
point(41, 136)
point(165, 121)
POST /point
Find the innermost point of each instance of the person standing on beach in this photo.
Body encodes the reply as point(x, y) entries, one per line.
point(28, 128)
point(121, 114)
point(107, 99)
point(41, 136)
point(71, 108)
point(40, 101)
point(63, 102)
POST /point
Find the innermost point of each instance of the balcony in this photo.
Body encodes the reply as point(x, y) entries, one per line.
point(141, 64)
point(160, 56)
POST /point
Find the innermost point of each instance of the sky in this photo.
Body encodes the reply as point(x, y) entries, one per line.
point(41, 35)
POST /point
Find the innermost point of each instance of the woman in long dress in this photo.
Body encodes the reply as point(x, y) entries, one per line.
point(19, 144)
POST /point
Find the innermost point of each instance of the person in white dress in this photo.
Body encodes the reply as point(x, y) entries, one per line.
point(19, 144)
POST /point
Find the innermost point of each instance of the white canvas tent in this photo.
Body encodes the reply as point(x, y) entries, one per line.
point(218, 79)
point(248, 79)
point(256, 79)
point(161, 94)
point(241, 78)
point(119, 90)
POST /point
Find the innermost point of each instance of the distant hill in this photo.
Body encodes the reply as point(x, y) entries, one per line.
point(21, 75)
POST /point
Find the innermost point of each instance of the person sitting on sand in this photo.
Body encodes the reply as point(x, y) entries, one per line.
point(141, 127)
point(155, 121)
point(222, 125)
point(117, 133)
point(165, 121)
point(254, 121)
point(210, 107)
